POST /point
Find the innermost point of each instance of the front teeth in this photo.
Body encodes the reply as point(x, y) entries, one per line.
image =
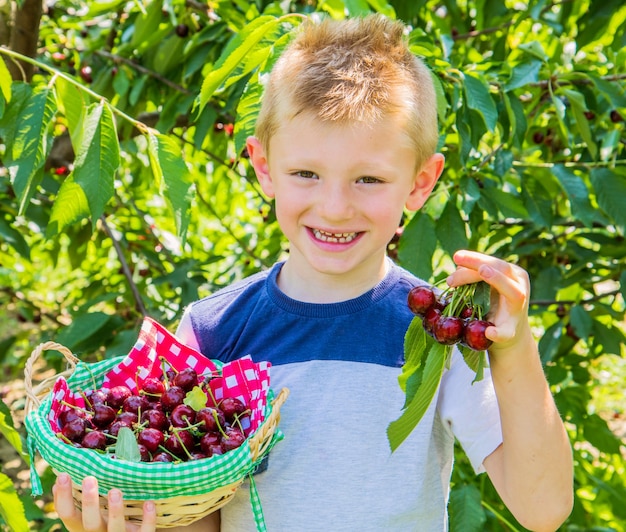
point(324, 236)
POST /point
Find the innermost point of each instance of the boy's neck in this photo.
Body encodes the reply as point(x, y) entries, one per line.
point(314, 287)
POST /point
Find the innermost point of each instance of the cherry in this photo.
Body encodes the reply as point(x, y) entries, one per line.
point(115, 427)
point(136, 404)
point(143, 453)
point(68, 415)
point(211, 418)
point(74, 430)
point(179, 442)
point(210, 440)
point(162, 457)
point(155, 419)
point(198, 455)
point(186, 379)
point(117, 396)
point(474, 335)
point(232, 407)
point(103, 415)
point(182, 416)
point(96, 397)
point(232, 439)
point(431, 317)
point(153, 388)
point(172, 397)
point(448, 330)
point(420, 299)
point(94, 439)
point(150, 438)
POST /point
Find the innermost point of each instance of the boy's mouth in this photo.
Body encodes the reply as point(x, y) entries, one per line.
point(342, 238)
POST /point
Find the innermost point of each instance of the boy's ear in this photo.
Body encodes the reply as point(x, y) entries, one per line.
point(425, 180)
point(260, 164)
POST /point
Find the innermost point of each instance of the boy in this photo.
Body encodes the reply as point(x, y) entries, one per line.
point(345, 141)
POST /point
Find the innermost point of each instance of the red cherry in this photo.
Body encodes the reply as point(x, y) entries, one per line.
point(431, 317)
point(211, 418)
point(232, 439)
point(448, 330)
point(163, 457)
point(474, 335)
point(117, 395)
point(103, 415)
point(186, 379)
point(232, 407)
point(136, 404)
point(182, 416)
point(155, 419)
point(420, 299)
point(74, 430)
point(179, 442)
point(153, 388)
point(209, 441)
point(150, 438)
point(94, 440)
point(172, 397)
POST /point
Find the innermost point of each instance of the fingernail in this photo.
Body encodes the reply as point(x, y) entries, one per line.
point(149, 506)
point(63, 479)
point(115, 495)
point(89, 483)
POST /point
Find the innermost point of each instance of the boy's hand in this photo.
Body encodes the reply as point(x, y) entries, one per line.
point(509, 298)
point(91, 519)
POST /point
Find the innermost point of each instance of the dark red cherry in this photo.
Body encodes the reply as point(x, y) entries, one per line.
point(420, 299)
point(448, 330)
point(232, 407)
point(74, 430)
point(103, 415)
point(136, 404)
point(94, 440)
point(150, 438)
point(155, 419)
point(153, 388)
point(172, 397)
point(474, 336)
point(162, 457)
point(186, 379)
point(182, 416)
point(431, 317)
point(209, 440)
point(211, 419)
point(117, 395)
point(232, 439)
point(179, 442)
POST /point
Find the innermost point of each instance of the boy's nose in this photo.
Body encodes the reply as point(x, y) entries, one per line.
point(336, 203)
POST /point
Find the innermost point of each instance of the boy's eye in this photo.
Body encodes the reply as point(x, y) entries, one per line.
point(369, 179)
point(306, 174)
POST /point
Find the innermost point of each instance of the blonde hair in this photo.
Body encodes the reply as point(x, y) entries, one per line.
point(354, 70)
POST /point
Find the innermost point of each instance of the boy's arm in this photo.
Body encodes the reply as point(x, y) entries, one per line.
point(532, 470)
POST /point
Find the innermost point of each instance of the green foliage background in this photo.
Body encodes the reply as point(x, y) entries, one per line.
point(125, 189)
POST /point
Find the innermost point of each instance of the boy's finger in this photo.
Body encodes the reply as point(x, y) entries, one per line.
point(92, 518)
point(116, 521)
point(149, 517)
point(64, 503)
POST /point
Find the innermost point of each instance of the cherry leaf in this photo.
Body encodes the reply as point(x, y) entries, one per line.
point(126, 447)
point(195, 398)
point(482, 297)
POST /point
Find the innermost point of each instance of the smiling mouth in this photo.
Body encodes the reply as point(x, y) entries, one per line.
point(340, 238)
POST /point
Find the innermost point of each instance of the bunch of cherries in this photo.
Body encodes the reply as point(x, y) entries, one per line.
point(166, 428)
point(449, 319)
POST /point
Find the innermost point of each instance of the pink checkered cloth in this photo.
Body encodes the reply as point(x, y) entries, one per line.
point(242, 378)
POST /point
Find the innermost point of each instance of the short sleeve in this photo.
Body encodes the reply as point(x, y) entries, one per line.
point(185, 332)
point(470, 410)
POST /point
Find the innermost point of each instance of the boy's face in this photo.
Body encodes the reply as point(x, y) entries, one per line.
point(340, 191)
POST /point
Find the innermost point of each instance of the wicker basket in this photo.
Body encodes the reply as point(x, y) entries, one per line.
point(173, 511)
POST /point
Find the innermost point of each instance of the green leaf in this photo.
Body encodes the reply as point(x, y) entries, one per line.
point(581, 321)
point(173, 177)
point(578, 105)
point(598, 434)
point(417, 245)
point(549, 342)
point(610, 187)
point(475, 360)
point(8, 430)
point(15, 239)
point(509, 204)
point(97, 159)
point(451, 230)
point(247, 113)
point(69, 207)
point(195, 398)
point(126, 446)
point(465, 509)
point(415, 349)
point(31, 145)
point(11, 507)
point(523, 74)
point(611, 339)
point(479, 99)
point(398, 430)
point(72, 104)
point(83, 327)
point(5, 81)
point(578, 194)
point(234, 54)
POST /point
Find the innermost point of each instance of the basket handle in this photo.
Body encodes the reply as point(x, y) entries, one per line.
point(28, 369)
point(261, 437)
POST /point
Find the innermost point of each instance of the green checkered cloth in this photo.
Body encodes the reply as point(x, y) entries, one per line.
point(137, 480)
